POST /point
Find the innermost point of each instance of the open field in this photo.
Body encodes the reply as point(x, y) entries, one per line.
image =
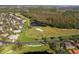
point(50, 32)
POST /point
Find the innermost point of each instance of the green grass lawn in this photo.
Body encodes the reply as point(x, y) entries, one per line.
point(7, 48)
point(50, 32)
point(27, 48)
point(23, 37)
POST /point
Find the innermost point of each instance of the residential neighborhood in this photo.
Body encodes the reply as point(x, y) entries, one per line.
point(10, 26)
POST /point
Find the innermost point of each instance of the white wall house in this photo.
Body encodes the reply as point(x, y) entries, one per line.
point(16, 31)
point(13, 37)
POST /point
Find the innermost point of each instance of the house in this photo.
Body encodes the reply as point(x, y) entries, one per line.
point(68, 45)
point(2, 34)
point(1, 22)
point(5, 35)
point(13, 37)
point(77, 44)
point(20, 27)
point(10, 29)
point(1, 43)
point(74, 51)
point(16, 31)
point(1, 28)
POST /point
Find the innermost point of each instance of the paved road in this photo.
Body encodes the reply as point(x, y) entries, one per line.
point(38, 42)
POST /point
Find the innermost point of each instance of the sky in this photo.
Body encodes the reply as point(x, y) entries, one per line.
point(39, 2)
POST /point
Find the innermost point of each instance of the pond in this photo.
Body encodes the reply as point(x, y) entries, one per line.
point(37, 23)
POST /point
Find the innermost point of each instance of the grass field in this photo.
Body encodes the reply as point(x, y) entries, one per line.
point(14, 49)
point(27, 48)
point(49, 32)
point(23, 37)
